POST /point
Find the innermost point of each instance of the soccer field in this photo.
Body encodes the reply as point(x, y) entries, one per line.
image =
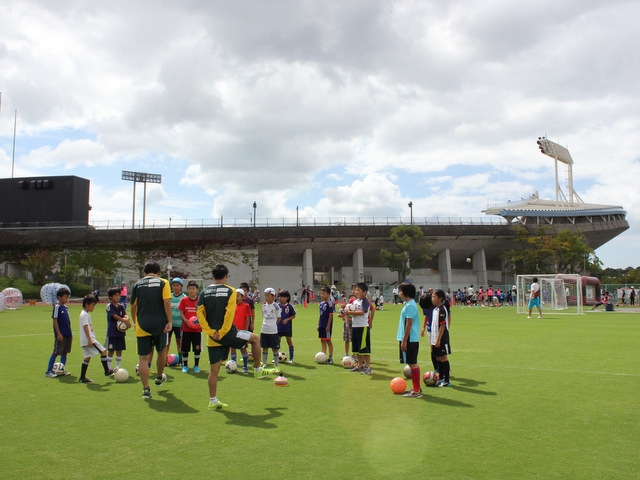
point(556, 397)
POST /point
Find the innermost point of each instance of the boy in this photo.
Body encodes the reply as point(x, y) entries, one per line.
point(216, 309)
point(191, 335)
point(427, 309)
point(440, 336)
point(361, 324)
point(269, 333)
point(325, 322)
point(285, 328)
point(534, 297)
point(242, 321)
point(346, 325)
point(116, 342)
point(409, 336)
point(62, 335)
point(176, 316)
point(90, 346)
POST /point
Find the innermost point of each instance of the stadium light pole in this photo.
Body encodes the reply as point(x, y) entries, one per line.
point(255, 205)
point(144, 178)
point(411, 211)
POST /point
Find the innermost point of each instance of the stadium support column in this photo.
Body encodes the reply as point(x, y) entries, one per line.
point(480, 268)
point(444, 268)
point(307, 267)
point(358, 266)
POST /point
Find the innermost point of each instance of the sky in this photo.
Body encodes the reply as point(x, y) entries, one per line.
point(324, 108)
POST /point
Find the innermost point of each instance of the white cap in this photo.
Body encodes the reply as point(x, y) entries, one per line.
point(270, 290)
point(241, 292)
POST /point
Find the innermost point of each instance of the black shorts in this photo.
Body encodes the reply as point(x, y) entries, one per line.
point(360, 340)
point(177, 331)
point(217, 354)
point(270, 340)
point(191, 341)
point(411, 355)
point(445, 346)
point(115, 344)
point(62, 347)
point(235, 338)
point(146, 344)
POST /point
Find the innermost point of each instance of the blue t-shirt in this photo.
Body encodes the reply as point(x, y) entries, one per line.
point(286, 311)
point(61, 312)
point(112, 323)
point(326, 308)
point(410, 310)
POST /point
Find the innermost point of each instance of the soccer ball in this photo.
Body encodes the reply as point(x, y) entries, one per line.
point(430, 378)
point(282, 356)
point(350, 307)
point(348, 361)
point(407, 371)
point(173, 360)
point(58, 368)
point(122, 326)
point(321, 357)
point(231, 366)
point(281, 381)
point(121, 375)
point(398, 385)
point(194, 323)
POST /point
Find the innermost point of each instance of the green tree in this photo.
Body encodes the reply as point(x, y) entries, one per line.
point(410, 252)
point(40, 264)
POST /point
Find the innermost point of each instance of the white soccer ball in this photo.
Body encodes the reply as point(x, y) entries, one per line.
point(58, 368)
point(121, 375)
point(321, 357)
point(407, 371)
point(348, 361)
point(350, 307)
point(231, 366)
point(282, 356)
point(122, 326)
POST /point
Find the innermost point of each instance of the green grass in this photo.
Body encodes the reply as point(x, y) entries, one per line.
point(550, 398)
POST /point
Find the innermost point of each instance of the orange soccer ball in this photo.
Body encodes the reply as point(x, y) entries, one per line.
point(398, 385)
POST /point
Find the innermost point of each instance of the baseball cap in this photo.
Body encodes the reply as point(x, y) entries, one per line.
point(270, 290)
point(177, 280)
point(241, 292)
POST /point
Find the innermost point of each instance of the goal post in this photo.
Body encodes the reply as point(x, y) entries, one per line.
point(560, 293)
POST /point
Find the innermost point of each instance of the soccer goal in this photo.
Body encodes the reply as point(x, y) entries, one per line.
point(561, 293)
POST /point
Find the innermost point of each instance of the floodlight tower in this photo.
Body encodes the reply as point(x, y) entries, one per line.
point(144, 178)
point(560, 154)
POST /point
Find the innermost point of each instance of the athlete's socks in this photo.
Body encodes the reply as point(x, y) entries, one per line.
point(264, 357)
point(245, 360)
point(52, 360)
point(444, 371)
point(185, 359)
point(109, 360)
point(196, 359)
point(233, 357)
point(291, 353)
point(104, 364)
point(415, 379)
point(118, 360)
point(83, 370)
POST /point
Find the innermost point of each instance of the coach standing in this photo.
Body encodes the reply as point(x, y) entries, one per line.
point(151, 313)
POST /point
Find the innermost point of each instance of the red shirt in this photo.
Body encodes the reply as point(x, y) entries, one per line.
point(240, 319)
point(188, 308)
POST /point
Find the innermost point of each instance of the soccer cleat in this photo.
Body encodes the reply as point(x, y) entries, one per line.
point(196, 369)
point(146, 393)
point(110, 372)
point(442, 383)
point(412, 394)
point(217, 406)
point(529, 316)
point(50, 374)
point(85, 380)
point(185, 369)
point(245, 370)
point(263, 372)
point(539, 316)
point(290, 361)
point(357, 368)
point(366, 371)
point(160, 380)
point(329, 360)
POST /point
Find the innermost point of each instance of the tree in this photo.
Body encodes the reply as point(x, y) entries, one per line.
point(40, 264)
point(411, 251)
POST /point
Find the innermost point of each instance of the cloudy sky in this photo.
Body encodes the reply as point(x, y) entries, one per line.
point(340, 108)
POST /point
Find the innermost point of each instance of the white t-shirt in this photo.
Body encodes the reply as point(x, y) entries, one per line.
point(85, 319)
point(270, 315)
point(361, 320)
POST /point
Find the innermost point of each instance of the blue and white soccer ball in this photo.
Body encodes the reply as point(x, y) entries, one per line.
point(58, 368)
point(231, 366)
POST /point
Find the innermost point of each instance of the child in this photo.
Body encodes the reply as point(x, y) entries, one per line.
point(427, 309)
point(90, 346)
point(325, 323)
point(408, 336)
point(269, 333)
point(116, 342)
point(346, 326)
point(534, 297)
point(440, 336)
point(285, 328)
point(361, 323)
point(62, 335)
point(242, 321)
point(191, 335)
point(176, 315)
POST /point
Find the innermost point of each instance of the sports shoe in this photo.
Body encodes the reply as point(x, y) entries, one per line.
point(442, 383)
point(217, 406)
point(196, 369)
point(185, 369)
point(245, 370)
point(329, 360)
point(290, 361)
point(50, 374)
point(412, 394)
point(366, 371)
point(85, 380)
point(263, 372)
point(146, 393)
point(357, 368)
point(159, 381)
point(110, 372)
point(528, 316)
point(539, 316)
point(65, 373)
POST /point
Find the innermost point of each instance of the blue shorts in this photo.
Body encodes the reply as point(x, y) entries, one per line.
point(323, 334)
point(534, 302)
point(270, 340)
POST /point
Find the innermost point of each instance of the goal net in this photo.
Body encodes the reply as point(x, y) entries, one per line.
point(561, 293)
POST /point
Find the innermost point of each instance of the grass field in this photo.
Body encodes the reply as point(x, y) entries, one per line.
point(550, 398)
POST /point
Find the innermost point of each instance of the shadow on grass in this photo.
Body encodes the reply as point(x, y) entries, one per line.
point(427, 397)
point(172, 404)
point(469, 385)
point(242, 419)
